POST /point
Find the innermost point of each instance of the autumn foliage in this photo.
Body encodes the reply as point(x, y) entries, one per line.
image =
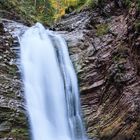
point(46, 11)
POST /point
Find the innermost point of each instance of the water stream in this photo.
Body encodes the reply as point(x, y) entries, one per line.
point(51, 89)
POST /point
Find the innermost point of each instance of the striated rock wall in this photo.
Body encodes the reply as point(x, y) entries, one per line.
point(104, 46)
point(13, 123)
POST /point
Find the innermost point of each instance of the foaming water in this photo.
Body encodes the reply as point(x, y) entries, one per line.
point(51, 89)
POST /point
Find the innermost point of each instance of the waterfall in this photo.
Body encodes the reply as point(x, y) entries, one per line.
point(51, 89)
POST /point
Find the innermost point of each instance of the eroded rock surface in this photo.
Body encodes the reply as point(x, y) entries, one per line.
point(13, 123)
point(106, 51)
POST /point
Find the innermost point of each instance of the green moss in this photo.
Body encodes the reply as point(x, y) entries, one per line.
point(138, 4)
point(127, 3)
point(102, 29)
point(12, 70)
point(90, 3)
point(86, 3)
point(20, 133)
point(120, 54)
point(137, 26)
point(21, 119)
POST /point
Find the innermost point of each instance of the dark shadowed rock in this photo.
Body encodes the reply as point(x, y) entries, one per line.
point(1, 27)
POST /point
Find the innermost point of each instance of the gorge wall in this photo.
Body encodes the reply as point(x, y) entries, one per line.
point(13, 123)
point(104, 44)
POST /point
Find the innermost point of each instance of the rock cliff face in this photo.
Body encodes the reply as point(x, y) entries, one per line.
point(105, 47)
point(104, 44)
point(13, 123)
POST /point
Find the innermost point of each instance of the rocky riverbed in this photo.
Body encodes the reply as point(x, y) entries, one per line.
point(104, 45)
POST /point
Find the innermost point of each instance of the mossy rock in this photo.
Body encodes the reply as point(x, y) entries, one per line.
point(102, 29)
point(20, 133)
point(137, 26)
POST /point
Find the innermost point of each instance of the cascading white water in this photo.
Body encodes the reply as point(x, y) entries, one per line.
point(51, 89)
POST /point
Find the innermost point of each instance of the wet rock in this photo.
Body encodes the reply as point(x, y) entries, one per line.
point(12, 108)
